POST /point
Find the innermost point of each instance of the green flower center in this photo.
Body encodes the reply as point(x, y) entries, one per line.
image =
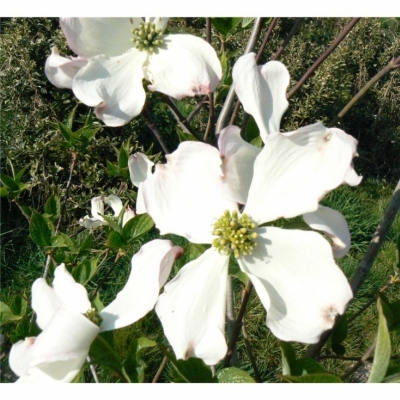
point(147, 37)
point(235, 234)
point(94, 316)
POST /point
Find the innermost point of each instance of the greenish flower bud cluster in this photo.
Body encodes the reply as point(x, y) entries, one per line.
point(147, 37)
point(94, 316)
point(235, 234)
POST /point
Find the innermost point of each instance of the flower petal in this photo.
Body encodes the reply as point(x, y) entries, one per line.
point(128, 215)
point(150, 270)
point(295, 170)
point(238, 159)
point(262, 91)
point(97, 209)
point(332, 223)
point(21, 356)
point(45, 302)
point(181, 196)
point(115, 203)
point(60, 71)
point(298, 283)
point(186, 66)
point(90, 37)
point(90, 223)
point(139, 168)
point(192, 308)
point(72, 294)
point(113, 86)
point(61, 349)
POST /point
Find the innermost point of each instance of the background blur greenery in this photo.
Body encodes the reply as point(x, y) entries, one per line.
point(31, 107)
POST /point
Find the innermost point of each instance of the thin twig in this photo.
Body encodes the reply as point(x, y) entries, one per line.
point(369, 303)
point(196, 110)
point(230, 317)
point(153, 127)
point(223, 116)
point(93, 370)
point(160, 370)
point(238, 103)
point(248, 348)
point(376, 243)
point(294, 29)
point(266, 38)
point(360, 362)
point(238, 324)
point(393, 64)
point(324, 56)
point(183, 122)
point(210, 131)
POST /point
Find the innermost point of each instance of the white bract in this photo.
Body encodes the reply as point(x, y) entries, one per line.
point(197, 194)
point(98, 211)
point(69, 323)
point(116, 54)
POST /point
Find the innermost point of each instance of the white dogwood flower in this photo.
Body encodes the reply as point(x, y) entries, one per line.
point(293, 271)
point(69, 323)
point(116, 54)
point(97, 210)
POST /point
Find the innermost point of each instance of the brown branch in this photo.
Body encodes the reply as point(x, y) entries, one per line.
point(292, 32)
point(324, 56)
point(153, 127)
point(160, 370)
point(360, 362)
point(376, 243)
point(238, 324)
point(266, 38)
point(393, 64)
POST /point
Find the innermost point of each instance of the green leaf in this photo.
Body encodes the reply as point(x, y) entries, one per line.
point(19, 305)
point(3, 191)
point(225, 25)
point(235, 270)
point(20, 174)
point(53, 206)
point(192, 370)
point(8, 182)
point(394, 324)
point(382, 350)
point(123, 157)
point(312, 378)
point(306, 365)
point(58, 241)
point(234, 375)
point(252, 131)
point(112, 169)
point(339, 333)
point(86, 245)
point(113, 223)
point(395, 378)
point(66, 133)
point(190, 252)
point(70, 119)
point(40, 229)
point(184, 136)
point(85, 271)
point(114, 240)
point(134, 365)
point(101, 353)
point(247, 21)
point(257, 142)
point(136, 227)
point(6, 315)
point(288, 357)
point(22, 330)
